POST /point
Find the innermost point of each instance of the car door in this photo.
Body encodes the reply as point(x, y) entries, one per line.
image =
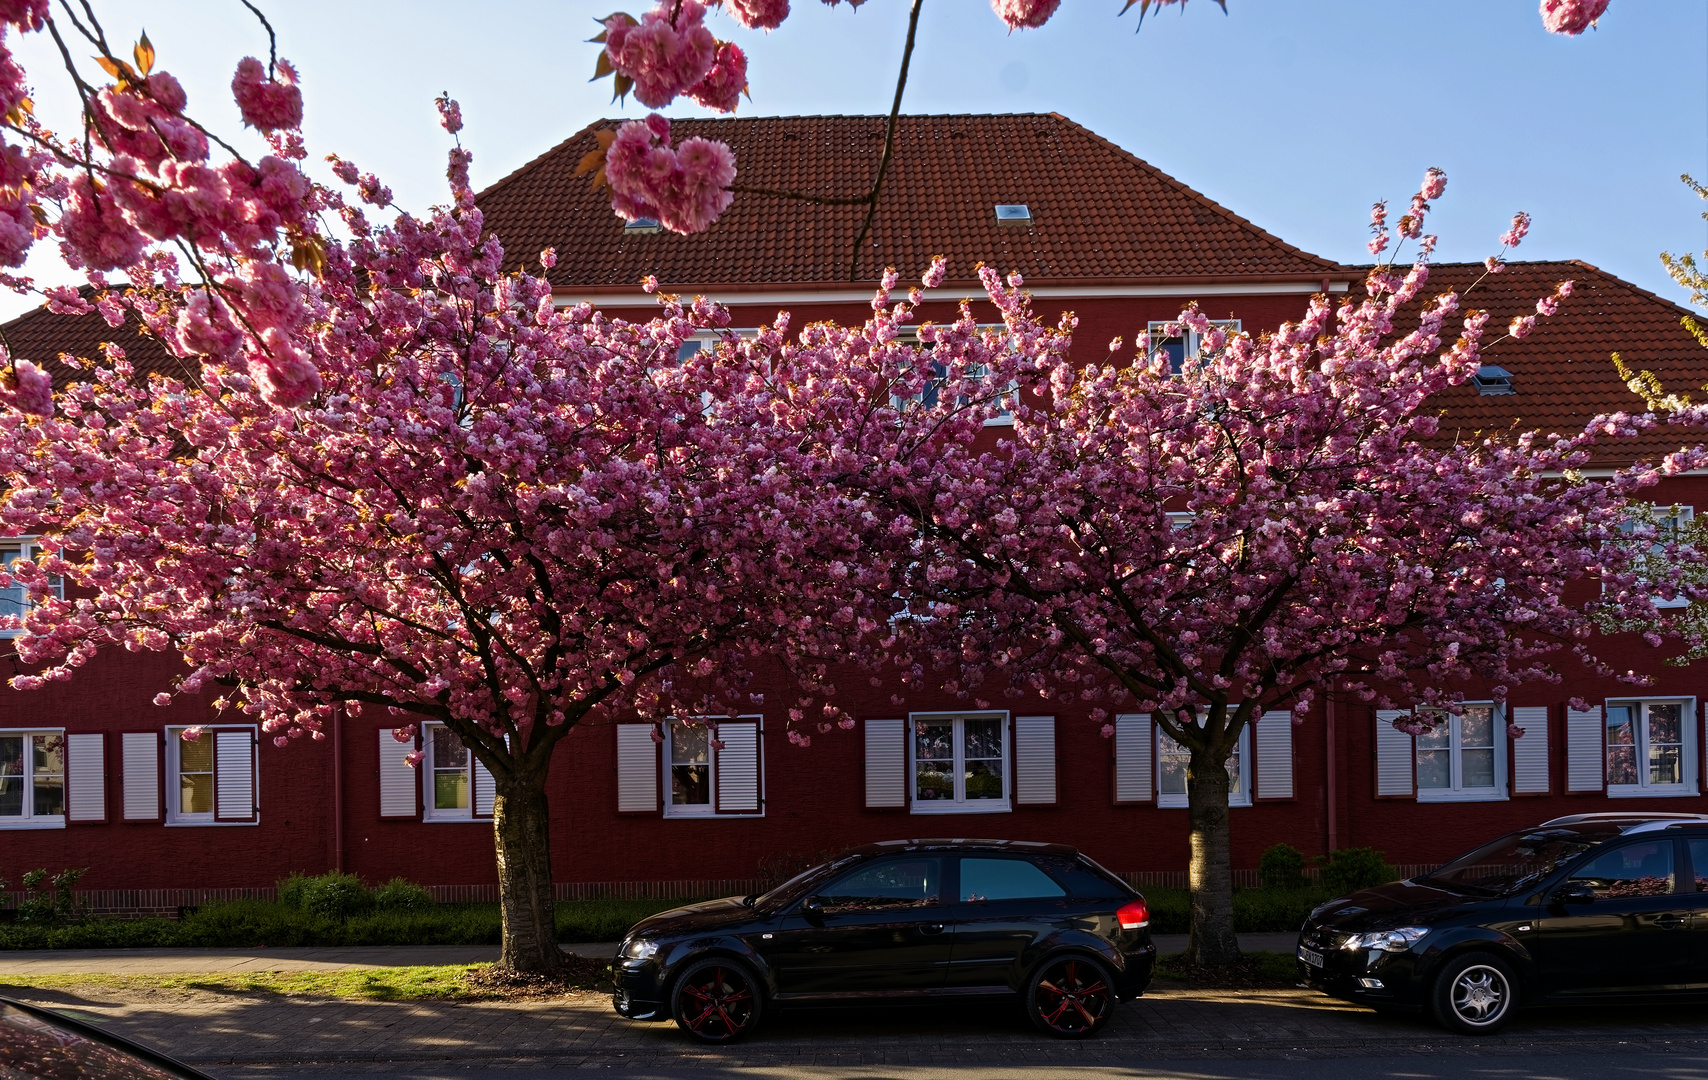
point(1004, 904)
point(1631, 938)
point(1695, 890)
point(884, 928)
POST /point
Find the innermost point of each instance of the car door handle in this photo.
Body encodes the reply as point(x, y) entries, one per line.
point(931, 928)
point(1669, 921)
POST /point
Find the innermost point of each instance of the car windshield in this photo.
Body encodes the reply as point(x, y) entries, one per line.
point(797, 886)
point(1512, 863)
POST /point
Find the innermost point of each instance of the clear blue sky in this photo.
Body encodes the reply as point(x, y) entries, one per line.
point(1294, 113)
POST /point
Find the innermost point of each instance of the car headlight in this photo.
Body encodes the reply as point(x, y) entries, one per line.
point(639, 948)
point(1387, 940)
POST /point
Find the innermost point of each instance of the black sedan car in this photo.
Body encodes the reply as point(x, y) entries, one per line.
point(1586, 908)
point(905, 919)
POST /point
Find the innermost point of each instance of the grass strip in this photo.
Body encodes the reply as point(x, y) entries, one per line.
point(441, 982)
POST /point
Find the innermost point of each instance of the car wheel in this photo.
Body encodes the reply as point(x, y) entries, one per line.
point(1070, 997)
point(716, 1001)
point(1475, 994)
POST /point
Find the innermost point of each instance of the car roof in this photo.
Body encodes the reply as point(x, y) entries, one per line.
point(1011, 847)
point(1610, 824)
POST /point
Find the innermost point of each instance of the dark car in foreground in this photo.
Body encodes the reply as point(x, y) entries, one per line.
point(41, 1043)
point(1587, 908)
point(904, 919)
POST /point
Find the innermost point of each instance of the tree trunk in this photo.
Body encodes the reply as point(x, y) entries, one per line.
point(1210, 873)
point(522, 830)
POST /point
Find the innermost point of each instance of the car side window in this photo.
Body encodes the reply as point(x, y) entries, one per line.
point(1643, 869)
point(891, 885)
point(1699, 865)
point(1005, 879)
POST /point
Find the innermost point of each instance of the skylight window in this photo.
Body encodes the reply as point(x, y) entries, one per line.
point(1492, 380)
point(1013, 214)
point(642, 225)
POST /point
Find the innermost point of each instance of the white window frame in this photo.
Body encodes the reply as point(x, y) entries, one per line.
point(1681, 516)
point(429, 812)
point(708, 809)
point(28, 819)
point(1179, 799)
point(1688, 750)
point(1457, 792)
point(210, 819)
point(1192, 340)
point(960, 804)
point(27, 548)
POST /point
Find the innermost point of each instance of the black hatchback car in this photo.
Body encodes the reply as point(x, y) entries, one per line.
point(898, 920)
point(1585, 908)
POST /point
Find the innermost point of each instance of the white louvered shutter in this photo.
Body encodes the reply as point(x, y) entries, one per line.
point(1393, 757)
point(140, 751)
point(738, 767)
point(1530, 753)
point(1273, 740)
point(485, 791)
point(234, 775)
point(398, 781)
point(886, 763)
point(1585, 763)
point(86, 778)
point(1133, 758)
point(637, 770)
point(1035, 760)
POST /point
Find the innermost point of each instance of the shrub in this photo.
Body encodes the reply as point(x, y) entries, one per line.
point(1282, 867)
point(1352, 869)
point(332, 895)
point(52, 903)
point(401, 894)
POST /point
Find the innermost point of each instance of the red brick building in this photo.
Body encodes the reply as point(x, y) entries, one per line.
point(161, 822)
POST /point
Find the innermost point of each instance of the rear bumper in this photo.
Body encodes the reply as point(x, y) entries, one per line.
point(1137, 969)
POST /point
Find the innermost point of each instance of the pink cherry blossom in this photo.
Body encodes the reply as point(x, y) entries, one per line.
point(1434, 183)
point(934, 274)
point(759, 14)
point(450, 113)
point(268, 103)
point(1523, 324)
point(724, 84)
point(27, 388)
point(1571, 17)
point(663, 57)
point(1513, 236)
point(1025, 14)
point(684, 189)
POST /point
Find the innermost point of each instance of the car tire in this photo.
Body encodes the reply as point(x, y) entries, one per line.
point(1070, 997)
point(1474, 994)
point(716, 1000)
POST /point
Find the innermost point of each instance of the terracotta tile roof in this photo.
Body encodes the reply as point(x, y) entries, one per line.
point(41, 336)
point(1098, 212)
point(1561, 374)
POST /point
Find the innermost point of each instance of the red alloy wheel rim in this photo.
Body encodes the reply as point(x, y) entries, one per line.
point(719, 1007)
point(1072, 996)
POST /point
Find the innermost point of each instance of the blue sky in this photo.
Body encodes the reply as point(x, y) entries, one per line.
point(1294, 113)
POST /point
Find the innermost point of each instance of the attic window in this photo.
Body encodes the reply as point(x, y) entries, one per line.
point(1492, 380)
point(1013, 214)
point(642, 225)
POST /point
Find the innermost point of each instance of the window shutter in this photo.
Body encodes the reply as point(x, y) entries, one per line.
point(1530, 754)
point(886, 763)
point(1133, 758)
point(485, 790)
point(1394, 761)
point(738, 767)
point(141, 753)
point(1585, 763)
point(397, 779)
point(234, 775)
point(637, 770)
point(1035, 760)
point(1273, 740)
point(86, 778)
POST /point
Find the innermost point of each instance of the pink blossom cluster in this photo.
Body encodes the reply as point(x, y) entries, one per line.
point(269, 101)
point(666, 53)
point(1025, 14)
point(1515, 234)
point(684, 188)
point(1571, 16)
point(759, 14)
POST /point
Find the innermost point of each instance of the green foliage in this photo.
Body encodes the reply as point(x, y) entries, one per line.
point(401, 894)
point(1351, 869)
point(1256, 911)
point(332, 895)
point(49, 901)
point(1282, 867)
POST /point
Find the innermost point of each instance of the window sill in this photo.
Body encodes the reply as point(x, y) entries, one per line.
point(1000, 421)
point(33, 823)
point(981, 806)
point(1165, 803)
point(456, 820)
point(680, 815)
point(210, 824)
point(1637, 791)
point(1442, 795)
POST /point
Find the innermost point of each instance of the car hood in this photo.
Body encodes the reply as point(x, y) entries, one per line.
point(1395, 904)
point(693, 918)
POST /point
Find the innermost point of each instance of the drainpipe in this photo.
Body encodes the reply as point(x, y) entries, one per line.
point(338, 789)
point(1328, 783)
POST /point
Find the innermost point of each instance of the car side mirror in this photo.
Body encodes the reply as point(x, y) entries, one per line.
point(813, 908)
point(1574, 894)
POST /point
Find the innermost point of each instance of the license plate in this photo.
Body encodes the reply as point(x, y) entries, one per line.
point(1311, 957)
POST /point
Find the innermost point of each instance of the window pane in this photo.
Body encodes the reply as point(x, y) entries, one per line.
point(48, 752)
point(934, 741)
point(1171, 765)
point(1621, 765)
point(11, 776)
point(1174, 347)
point(1434, 769)
point(448, 750)
point(690, 785)
point(984, 738)
point(451, 788)
point(1633, 870)
point(1234, 777)
point(12, 598)
point(1476, 727)
point(1005, 879)
point(689, 744)
point(1439, 737)
point(197, 756)
point(195, 793)
point(1477, 768)
point(1666, 723)
point(1666, 765)
point(984, 779)
point(933, 780)
point(902, 883)
point(50, 795)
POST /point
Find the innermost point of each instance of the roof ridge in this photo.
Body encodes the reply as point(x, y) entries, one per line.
point(504, 180)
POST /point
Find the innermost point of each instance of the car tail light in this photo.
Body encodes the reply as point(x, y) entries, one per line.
point(1135, 916)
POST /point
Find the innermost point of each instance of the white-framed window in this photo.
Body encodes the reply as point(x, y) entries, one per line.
point(1464, 758)
point(712, 773)
point(1651, 747)
point(15, 599)
point(959, 763)
point(211, 780)
point(1172, 759)
point(1183, 346)
point(455, 785)
point(32, 779)
point(929, 395)
point(1670, 523)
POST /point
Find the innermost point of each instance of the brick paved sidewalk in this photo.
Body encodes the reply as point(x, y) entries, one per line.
point(257, 1029)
